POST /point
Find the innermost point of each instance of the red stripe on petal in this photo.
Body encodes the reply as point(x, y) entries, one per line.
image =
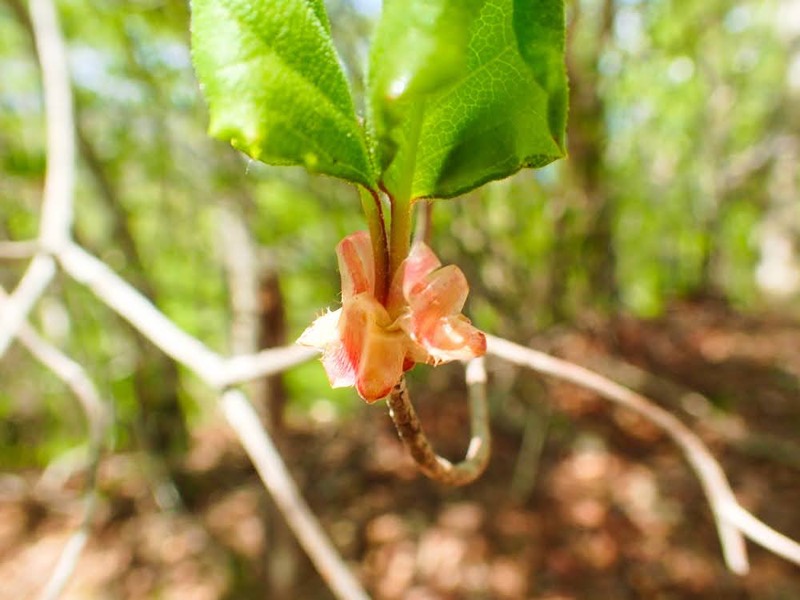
point(356, 264)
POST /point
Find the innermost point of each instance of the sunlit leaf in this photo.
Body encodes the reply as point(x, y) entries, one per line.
point(275, 87)
point(465, 91)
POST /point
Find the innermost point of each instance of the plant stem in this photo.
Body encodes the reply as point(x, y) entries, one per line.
point(402, 200)
point(401, 233)
point(371, 203)
point(424, 217)
point(416, 442)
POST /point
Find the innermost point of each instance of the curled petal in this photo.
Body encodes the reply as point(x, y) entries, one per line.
point(323, 333)
point(420, 263)
point(435, 296)
point(441, 293)
point(370, 347)
point(382, 363)
point(449, 338)
point(356, 264)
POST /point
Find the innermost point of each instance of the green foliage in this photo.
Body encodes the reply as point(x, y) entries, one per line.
point(460, 92)
point(700, 90)
point(483, 82)
point(275, 87)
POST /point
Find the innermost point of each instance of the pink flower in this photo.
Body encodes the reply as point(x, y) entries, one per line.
point(370, 345)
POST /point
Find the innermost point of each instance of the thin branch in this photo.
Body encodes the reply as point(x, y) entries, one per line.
point(211, 368)
point(67, 562)
point(241, 369)
point(98, 419)
point(54, 237)
point(241, 269)
point(763, 534)
point(276, 478)
point(431, 464)
point(60, 176)
point(123, 298)
point(59, 181)
point(15, 311)
point(715, 484)
point(18, 250)
point(732, 520)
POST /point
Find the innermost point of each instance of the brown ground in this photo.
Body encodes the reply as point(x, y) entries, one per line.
point(580, 501)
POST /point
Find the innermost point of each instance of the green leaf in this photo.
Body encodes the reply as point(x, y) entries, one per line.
point(275, 87)
point(462, 92)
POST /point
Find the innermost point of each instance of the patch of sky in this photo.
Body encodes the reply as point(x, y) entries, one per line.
point(680, 70)
point(629, 29)
point(92, 69)
point(19, 86)
point(738, 19)
point(610, 63)
point(368, 8)
point(165, 54)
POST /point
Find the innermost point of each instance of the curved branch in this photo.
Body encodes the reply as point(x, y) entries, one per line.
point(60, 176)
point(410, 430)
point(132, 306)
point(18, 250)
point(98, 418)
point(244, 368)
point(276, 478)
point(217, 372)
point(28, 291)
point(59, 181)
point(732, 520)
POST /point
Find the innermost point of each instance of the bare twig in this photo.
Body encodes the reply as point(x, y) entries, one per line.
point(60, 176)
point(98, 419)
point(15, 310)
point(431, 464)
point(140, 312)
point(54, 241)
point(68, 560)
point(213, 369)
point(243, 419)
point(59, 181)
point(18, 250)
point(763, 534)
point(240, 369)
point(732, 520)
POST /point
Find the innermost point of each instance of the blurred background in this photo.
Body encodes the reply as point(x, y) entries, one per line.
point(663, 252)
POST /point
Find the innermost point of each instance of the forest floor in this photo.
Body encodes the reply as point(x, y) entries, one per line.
point(581, 500)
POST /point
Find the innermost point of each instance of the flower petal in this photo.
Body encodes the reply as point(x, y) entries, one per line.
point(442, 293)
point(339, 367)
point(374, 349)
point(420, 263)
point(436, 297)
point(449, 338)
point(323, 331)
point(356, 264)
point(382, 362)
